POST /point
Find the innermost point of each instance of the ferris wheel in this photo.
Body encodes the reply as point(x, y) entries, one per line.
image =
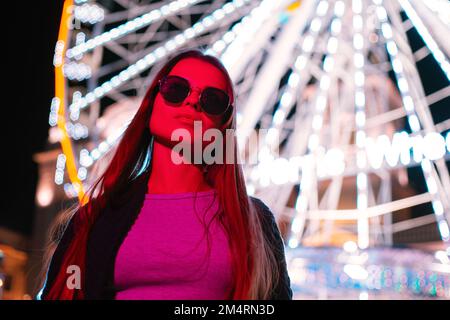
point(334, 82)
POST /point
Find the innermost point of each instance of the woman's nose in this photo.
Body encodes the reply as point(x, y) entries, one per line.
point(194, 99)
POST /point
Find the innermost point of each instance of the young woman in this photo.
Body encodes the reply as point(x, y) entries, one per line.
point(155, 229)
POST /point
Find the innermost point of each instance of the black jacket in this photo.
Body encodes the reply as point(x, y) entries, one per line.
point(111, 228)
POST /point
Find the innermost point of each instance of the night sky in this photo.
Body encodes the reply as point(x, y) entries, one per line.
point(30, 36)
point(30, 33)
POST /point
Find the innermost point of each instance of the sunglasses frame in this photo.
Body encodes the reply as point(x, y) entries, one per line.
point(200, 96)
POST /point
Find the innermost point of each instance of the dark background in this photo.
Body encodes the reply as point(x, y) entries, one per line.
point(30, 35)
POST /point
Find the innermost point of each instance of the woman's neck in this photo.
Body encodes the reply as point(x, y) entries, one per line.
point(168, 177)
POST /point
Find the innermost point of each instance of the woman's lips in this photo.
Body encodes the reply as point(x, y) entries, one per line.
point(186, 119)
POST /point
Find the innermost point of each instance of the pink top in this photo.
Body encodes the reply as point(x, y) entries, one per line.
point(163, 255)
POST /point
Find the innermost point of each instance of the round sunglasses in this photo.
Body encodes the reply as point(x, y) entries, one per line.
point(175, 89)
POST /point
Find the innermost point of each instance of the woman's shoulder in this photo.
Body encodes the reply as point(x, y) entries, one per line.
point(269, 223)
point(263, 209)
point(283, 289)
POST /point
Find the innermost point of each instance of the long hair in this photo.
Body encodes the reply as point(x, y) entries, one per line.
point(254, 267)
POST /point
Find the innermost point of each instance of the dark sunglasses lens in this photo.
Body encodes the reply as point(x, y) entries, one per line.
point(174, 89)
point(214, 101)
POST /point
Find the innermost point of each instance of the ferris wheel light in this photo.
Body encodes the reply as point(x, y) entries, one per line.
point(70, 190)
point(336, 26)
point(218, 14)
point(444, 230)
point(238, 3)
point(381, 13)
point(361, 201)
point(165, 9)
point(360, 98)
point(141, 65)
point(396, 65)
point(357, 22)
point(447, 141)
point(360, 138)
point(413, 122)
point(90, 97)
point(85, 159)
point(170, 45)
point(89, 13)
point(115, 81)
point(103, 147)
point(61, 161)
point(315, 24)
point(293, 243)
point(358, 41)
point(361, 181)
point(357, 6)
point(179, 39)
point(434, 146)
point(123, 76)
point(82, 173)
point(133, 70)
point(332, 45)
point(80, 131)
point(160, 52)
point(95, 154)
point(199, 27)
point(229, 36)
point(402, 84)
point(308, 43)
point(361, 159)
point(53, 116)
point(386, 30)
point(359, 78)
point(431, 184)
point(150, 59)
point(293, 79)
point(286, 98)
point(360, 118)
point(228, 8)
point(358, 60)
point(99, 92)
point(207, 22)
point(317, 122)
point(300, 63)
point(322, 8)
point(296, 225)
point(59, 176)
point(339, 8)
point(438, 208)
point(106, 87)
point(279, 116)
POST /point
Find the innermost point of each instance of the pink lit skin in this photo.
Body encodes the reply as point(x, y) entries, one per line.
point(166, 176)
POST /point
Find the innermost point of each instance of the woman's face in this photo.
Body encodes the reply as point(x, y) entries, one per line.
point(167, 117)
